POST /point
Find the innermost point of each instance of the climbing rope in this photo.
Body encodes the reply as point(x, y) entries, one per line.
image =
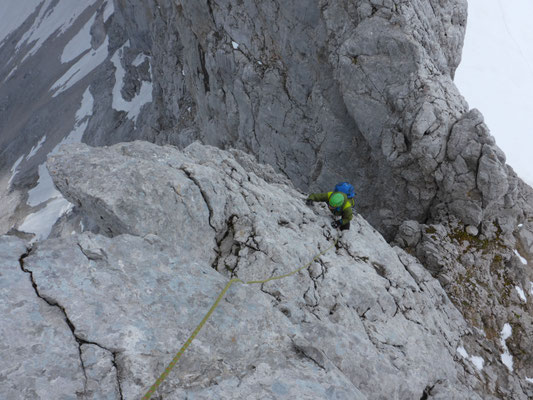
point(174, 361)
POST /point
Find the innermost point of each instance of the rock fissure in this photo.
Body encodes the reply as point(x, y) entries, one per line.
point(80, 341)
point(428, 389)
point(202, 192)
point(58, 306)
point(115, 364)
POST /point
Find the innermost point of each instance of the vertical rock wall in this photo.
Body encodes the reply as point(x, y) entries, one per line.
point(328, 91)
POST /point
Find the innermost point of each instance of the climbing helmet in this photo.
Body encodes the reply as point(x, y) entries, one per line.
point(336, 200)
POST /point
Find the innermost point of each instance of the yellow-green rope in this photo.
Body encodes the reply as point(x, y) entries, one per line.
point(174, 361)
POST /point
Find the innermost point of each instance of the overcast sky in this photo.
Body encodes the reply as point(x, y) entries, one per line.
point(496, 75)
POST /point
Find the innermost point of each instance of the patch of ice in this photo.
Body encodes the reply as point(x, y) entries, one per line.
point(521, 293)
point(81, 68)
point(79, 43)
point(14, 13)
point(41, 222)
point(36, 148)
point(507, 358)
point(260, 63)
point(522, 259)
point(14, 170)
point(235, 45)
point(52, 20)
point(133, 107)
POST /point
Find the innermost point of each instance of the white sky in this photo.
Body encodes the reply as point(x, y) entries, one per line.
point(496, 75)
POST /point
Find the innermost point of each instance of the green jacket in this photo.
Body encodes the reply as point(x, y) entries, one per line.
point(345, 210)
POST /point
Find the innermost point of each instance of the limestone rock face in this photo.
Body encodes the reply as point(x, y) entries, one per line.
point(41, 357)
point(319, 92)
point(322, 91)
point(365, 320)
point(328, 91)
point(365, 91)
point(156, 186)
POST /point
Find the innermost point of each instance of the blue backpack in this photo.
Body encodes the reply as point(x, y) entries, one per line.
point(346, 188)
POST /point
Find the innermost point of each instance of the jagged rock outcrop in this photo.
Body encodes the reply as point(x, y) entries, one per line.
point(365, 321)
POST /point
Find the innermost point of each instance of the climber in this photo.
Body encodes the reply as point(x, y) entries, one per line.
point(340, 202)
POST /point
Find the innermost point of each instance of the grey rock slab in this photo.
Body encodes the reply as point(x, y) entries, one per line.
point(102, 378)
point(39, 356)
point(362, 307)
point(137, 193)
point(141, 303)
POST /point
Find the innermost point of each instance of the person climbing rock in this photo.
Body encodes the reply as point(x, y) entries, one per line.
point(340, 203)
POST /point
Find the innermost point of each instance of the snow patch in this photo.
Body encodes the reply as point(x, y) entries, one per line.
point(36, 148)
point(45, 189)
point(520, 225)
point(235, 45)
point(139, 60)
point(133, 107)
point(530, 380)
point(507, 358)
point(81, 68)
point(476, 360)
point(109, 9)
point(79, 43)
point(11, 73)
point(52, 20)
point(86, 108)
point(14, 170)
point(14, 13)
point(461, 350)
point(521, 293)
point(522, 259)
point(41, 222)
point(531, 288)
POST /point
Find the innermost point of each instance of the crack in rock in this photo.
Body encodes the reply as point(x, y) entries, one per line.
point(80, 341)
point(204, 195)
